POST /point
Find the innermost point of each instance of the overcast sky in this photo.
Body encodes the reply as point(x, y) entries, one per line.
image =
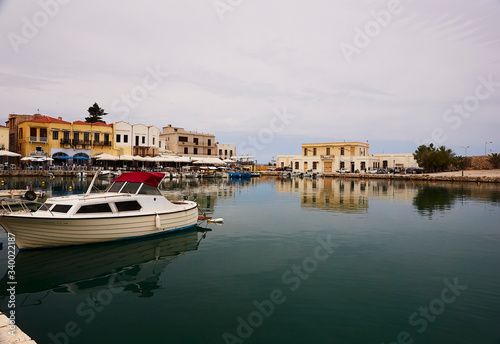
point(265, 76)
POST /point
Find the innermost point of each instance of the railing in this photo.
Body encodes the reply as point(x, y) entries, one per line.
point(65, 141)
point(327, 156)
point(102, 143)
point(38, 139)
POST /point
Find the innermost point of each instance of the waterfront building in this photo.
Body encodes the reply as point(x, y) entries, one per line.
point(225, 151)
point(4, 138)
point(351, 156)
point(188, 143)
point(53, 137)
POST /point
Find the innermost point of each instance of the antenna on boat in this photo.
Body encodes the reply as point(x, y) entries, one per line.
point(92, 183)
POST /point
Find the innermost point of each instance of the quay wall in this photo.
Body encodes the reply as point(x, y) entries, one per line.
point(41, 173)
point(424, 177)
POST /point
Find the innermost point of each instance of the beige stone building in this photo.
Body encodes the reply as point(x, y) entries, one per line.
point(188, 143)
point(333, 156)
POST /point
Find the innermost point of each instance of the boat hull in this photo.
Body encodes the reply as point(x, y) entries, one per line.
point(39, 232)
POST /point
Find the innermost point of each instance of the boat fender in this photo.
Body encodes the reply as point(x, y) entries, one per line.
point(30, 195)
point(218, 220)
point(158, 221)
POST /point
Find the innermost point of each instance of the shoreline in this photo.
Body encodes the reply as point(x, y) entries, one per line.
point(476, 176)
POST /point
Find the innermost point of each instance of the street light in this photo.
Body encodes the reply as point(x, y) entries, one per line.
point(485, 146)
point(463, 162)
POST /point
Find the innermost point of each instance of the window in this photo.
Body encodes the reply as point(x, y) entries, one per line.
point(195, 150)
point(209, 142)
point(94, 208)
point(128, 206)
point(20, 133)
point(61, 208)
point(136, 140)
point(118, 138)
point(314, 151)
point(342, 164)
point(305, 151)
point(43, 134)
point(106, 137)
point(66, 135)
point(231, 152)
point(45, 206)
point(125, 138)
point(130, 188)
point(96, 137)
point(341, 150)
point(195, 140)
point(315, 165)
point(225, 152)
point(328, 151)
point(183, 139)
point(154, 141)
point(116, 187)
point(143, 139)
point(55, 135)
point(186, 150)
point(209, 151)
point(296, 165)
point(220, 152)
point(148, 190)
point(86, 137)
point(76, 135)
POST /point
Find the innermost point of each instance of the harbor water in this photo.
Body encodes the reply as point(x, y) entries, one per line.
point(296, 261)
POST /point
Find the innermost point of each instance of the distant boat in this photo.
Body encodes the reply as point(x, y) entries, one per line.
point(239, 175)
point(22, 194)
point(255, 174)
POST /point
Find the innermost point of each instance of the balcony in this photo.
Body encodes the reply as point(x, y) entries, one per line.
point(327, 156)
point(38, 139)
point(65, 141)
point(102, 143)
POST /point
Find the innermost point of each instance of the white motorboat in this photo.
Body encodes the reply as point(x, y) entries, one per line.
point(131, 207)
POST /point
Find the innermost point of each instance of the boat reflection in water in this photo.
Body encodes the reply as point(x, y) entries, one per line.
point(131, 265)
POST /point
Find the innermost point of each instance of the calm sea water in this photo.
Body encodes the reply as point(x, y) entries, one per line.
point(296, 261)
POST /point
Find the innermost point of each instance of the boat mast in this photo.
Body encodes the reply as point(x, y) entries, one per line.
point(92, 183)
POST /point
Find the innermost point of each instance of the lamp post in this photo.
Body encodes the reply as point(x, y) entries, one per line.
point(485, 146)
point(463, 162)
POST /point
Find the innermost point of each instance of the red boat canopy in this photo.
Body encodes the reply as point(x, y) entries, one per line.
point(150, 178)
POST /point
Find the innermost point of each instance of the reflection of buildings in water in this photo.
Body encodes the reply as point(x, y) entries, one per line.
point(346, 196)
point(129, 265)
point(204, 191)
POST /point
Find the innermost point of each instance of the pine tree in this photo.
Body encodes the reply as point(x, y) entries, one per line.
point(95, 114)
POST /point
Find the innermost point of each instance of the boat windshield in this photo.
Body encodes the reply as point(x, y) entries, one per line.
point(132, 188)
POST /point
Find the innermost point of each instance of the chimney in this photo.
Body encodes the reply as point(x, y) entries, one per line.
point(60, 118)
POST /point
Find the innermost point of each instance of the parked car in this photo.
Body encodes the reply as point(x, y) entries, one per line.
point(381, 171)
point(398, 170)
point(373, 171)
point(342, 170)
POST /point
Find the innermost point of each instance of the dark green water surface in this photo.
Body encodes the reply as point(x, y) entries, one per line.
point(296, 261)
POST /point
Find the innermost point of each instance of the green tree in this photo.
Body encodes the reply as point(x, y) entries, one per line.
point(434, 159)
point(95, 114)
point(494, 159)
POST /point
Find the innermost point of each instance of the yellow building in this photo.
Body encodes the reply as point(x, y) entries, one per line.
point(4, 138)
point(350, 156)
point(61, 140)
